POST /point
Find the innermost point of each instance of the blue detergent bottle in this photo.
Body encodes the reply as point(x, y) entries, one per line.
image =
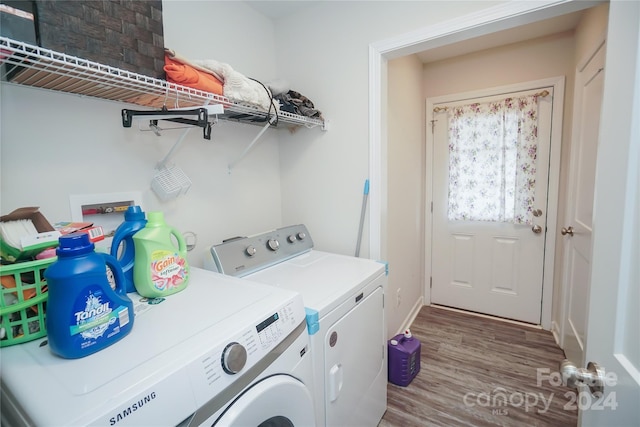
point(84, 315)
point(122, 247)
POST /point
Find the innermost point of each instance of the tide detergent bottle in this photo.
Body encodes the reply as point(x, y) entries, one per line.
point(84, 313)
point(160, 266)
point(122, 247)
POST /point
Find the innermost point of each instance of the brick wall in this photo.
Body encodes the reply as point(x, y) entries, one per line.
point(126, 34)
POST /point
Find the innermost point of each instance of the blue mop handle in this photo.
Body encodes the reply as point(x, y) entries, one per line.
point(364, 209)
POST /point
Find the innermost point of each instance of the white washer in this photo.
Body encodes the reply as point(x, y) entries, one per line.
point(223, 352)
point(344, 298)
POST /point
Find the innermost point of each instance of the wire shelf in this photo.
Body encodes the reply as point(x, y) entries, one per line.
point(35, 66)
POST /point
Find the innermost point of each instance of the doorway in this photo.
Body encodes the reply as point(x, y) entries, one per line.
point(613, 243)
point(431, 38)
point(490, 198)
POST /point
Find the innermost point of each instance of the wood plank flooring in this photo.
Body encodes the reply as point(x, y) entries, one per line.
point(478, 371)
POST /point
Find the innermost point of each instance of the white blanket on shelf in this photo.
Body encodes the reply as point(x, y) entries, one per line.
point(238, 87)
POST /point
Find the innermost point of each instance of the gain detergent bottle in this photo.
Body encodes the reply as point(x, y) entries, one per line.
point(160, 267)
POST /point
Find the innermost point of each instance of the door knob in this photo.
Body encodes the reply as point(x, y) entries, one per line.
point(567, 230)
point(591, 376)
point(537, 212)
point(536, 229)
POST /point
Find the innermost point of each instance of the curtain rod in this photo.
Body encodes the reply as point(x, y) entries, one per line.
point(539, 94)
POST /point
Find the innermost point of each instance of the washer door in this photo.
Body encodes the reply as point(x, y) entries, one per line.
point(276, 401)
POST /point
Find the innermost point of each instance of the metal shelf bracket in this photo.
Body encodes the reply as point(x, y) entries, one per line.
point(251, 145)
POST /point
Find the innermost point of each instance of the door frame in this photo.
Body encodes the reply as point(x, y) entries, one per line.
point(557, 83)
point(497, 18)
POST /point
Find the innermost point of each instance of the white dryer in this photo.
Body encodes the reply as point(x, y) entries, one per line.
point(344, 299)
point(223, 352)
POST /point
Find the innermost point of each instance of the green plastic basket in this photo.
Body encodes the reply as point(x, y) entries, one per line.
point(23, 300)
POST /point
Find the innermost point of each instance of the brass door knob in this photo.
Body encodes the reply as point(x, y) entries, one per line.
point(536, 229)
point(567, 230)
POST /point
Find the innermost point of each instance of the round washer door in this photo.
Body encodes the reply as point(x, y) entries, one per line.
point(279, 400)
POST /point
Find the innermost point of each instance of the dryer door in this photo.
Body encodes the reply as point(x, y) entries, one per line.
point(277, 401)
point(355, 366)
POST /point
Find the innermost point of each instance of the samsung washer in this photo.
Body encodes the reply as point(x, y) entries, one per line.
point(222, 352)
point(344, 299)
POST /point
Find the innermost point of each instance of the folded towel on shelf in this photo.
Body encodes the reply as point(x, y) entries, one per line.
point(174, 56)
point(238, 87)
point(186, 75)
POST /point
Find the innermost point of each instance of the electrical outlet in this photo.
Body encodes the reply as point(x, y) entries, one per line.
point(398, 298)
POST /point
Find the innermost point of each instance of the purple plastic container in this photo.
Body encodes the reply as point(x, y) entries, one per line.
point(404, 358)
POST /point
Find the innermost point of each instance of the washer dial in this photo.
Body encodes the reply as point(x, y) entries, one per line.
point(234, 357)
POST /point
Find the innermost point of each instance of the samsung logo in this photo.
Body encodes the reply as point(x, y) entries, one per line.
point(131, 409)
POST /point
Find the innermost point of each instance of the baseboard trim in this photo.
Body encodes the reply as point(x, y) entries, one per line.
point(555, 331)
point(408, 321)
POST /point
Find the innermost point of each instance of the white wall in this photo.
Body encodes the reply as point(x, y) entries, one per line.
point(406, 190)
point(543, 57)
point(82, 147)
point(324, 52)
point(590, 30)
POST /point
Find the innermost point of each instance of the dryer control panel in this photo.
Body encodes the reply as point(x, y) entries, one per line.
point(240, 256)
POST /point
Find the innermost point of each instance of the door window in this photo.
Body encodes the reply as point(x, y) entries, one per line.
point(492, 160)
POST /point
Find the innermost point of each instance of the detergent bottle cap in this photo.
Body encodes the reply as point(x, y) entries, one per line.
point(134, 213)
point(407, 334)
point(74, 244)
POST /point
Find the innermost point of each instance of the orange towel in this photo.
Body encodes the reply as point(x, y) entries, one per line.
point(188, 76)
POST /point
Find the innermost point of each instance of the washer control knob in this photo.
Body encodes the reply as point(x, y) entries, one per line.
point(292, 238)
point(301, 235)
point(234, 357)
point(273, 244)
point(251, 250)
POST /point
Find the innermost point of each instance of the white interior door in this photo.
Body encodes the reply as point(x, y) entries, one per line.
point(494, 268)
point(612, 338)
point(578, 225)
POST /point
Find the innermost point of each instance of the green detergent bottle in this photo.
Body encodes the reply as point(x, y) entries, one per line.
point(160, 268)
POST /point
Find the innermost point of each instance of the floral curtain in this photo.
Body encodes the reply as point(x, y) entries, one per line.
point(492, 160)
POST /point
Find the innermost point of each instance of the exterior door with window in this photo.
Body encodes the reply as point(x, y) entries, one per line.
point(490, 184)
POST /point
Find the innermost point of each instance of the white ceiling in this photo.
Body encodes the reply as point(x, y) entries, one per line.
point(282, 9)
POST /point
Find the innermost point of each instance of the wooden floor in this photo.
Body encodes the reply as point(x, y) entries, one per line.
point(478, 371)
